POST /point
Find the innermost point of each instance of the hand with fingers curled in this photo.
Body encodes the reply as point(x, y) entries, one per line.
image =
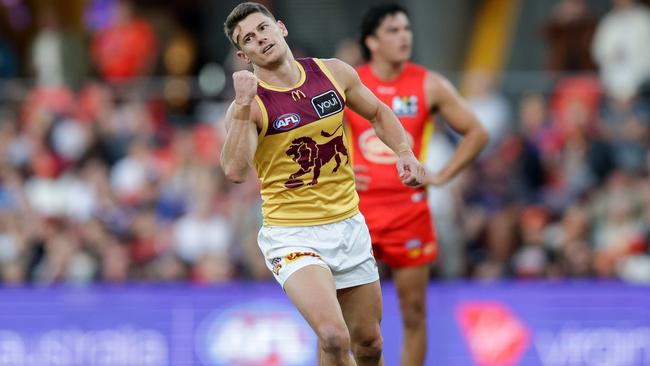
point(411, 172)
point(245, 84)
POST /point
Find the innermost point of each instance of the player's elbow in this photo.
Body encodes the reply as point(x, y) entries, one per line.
point(235, 176)
point(482, 136)
point(233, 173)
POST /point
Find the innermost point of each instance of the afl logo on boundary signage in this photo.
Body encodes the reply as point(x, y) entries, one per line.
point(327, 104)
point(259, 333)
point(286, 121)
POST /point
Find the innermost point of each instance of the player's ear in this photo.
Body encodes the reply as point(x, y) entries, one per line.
point(242, 56)
point(283, 28)
point(372, 43)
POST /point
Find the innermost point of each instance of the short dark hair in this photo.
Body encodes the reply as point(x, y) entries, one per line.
point(239, 13)
point(371, 20)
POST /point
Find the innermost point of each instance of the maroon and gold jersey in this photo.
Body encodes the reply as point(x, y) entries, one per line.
point(302, 157)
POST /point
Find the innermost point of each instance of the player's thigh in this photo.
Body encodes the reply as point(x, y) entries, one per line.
point(411, 284)
point(362, 311)
point(312, 291)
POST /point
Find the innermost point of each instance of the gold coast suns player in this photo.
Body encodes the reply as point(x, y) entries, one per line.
point(398, 216)
point(286, 122)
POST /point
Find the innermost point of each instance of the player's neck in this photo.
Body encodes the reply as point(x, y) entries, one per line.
point(385, 70)
point(284, 74)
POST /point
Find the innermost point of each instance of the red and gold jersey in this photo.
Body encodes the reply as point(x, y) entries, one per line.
point(302, 157)
point(405, 95)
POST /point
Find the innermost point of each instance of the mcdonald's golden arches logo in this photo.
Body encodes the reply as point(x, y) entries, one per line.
point(297, 95)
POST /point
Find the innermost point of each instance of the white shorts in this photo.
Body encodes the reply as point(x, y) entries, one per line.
point(343, 247)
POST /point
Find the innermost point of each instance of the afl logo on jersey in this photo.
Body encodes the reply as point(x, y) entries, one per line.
point(375, 151)
point(286, 122)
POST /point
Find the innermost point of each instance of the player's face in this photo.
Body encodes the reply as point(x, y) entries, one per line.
point(261, 40)
point(393, 39)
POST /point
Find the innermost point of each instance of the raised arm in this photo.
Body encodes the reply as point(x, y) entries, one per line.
point(443, 96)
point(241, 129)
point(387, 127)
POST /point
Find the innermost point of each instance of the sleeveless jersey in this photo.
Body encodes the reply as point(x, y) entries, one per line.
point(405, 95)
point(302, 157)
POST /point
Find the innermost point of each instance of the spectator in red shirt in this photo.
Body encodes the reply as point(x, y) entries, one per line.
point(126, 48)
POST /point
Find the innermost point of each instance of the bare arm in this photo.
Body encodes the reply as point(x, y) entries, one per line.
point(241, 129)
point(387, 126)
point(441, 94)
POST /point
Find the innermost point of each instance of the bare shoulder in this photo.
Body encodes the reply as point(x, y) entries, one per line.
point(336, 65)
point(434, 81)
point(343, 72)
point(437, 87)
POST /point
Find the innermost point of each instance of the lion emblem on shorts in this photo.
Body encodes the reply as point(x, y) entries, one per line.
point(311, 156)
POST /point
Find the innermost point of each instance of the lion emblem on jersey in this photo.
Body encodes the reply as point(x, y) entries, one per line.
point(311, 156)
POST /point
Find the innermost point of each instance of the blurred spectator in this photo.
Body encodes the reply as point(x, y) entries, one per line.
point(533, 259)
point(444, 204)
point(247, 218)
point(620, 232)
point(571, 242)
point(491, 108)
point(101, 185)
point(167, 268)
point(57, 55)
point(180, 54)
point(568, 33)
point(60, 257)
point(202, 238)
point(95, 103)
point(115, 263)
point(620, 48)
point(127, 47)
point(178, 57)
point(348, 50)
point(536, 139)
point(499, 245)
point(627, 126)
point(8, 60)
point(131, 175)
point(575, 92)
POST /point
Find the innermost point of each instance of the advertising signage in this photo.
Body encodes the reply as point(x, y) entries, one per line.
point(572, 324)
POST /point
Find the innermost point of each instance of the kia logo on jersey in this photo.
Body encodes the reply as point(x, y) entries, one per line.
point(405, 105)
point(286, 121)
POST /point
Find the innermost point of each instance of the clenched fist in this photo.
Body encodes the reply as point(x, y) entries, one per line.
point(410, 170)
point(245, 83)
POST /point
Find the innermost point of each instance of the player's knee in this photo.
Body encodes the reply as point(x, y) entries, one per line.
point(334, 340)
point(369, 348)
point(413, 313)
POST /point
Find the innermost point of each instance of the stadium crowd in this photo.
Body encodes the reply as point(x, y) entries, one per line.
point(101, 180)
